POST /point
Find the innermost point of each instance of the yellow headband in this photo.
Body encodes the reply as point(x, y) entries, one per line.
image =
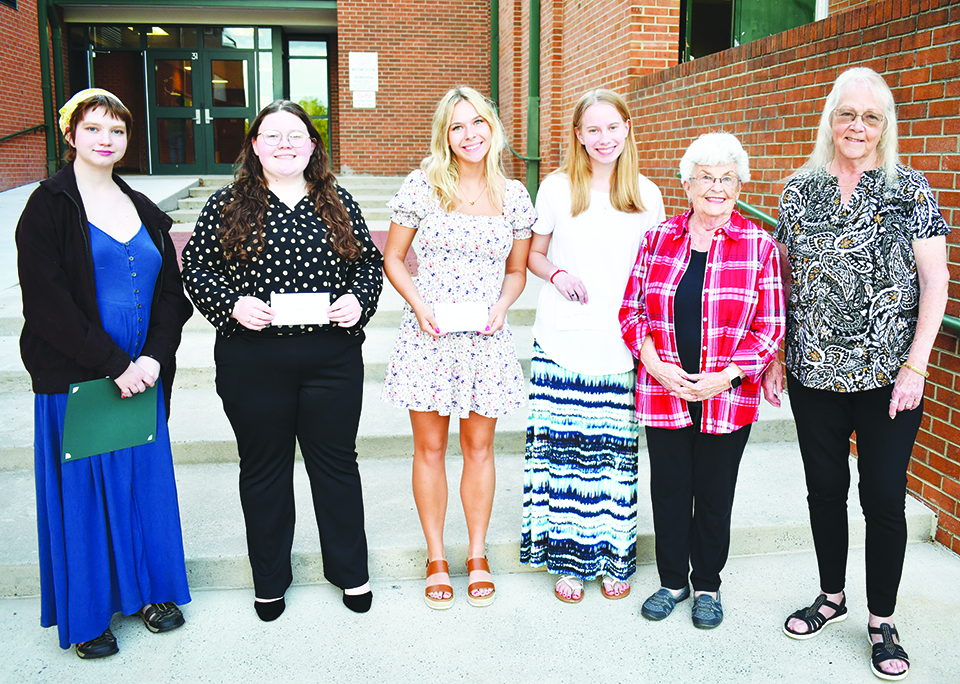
point(66, 112)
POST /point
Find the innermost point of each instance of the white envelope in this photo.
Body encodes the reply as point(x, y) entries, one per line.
point(462, 317)
point(576, 316)
point(300, 308)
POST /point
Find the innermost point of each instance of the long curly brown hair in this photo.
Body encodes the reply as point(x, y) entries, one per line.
point(241, 230)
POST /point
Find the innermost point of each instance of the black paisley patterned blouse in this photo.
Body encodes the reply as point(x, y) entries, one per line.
point(854, 295)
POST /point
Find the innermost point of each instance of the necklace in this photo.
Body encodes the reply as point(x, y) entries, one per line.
point(482, 190)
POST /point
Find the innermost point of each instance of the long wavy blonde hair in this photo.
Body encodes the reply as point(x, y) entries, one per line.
point(441, 166)
point(624, 188)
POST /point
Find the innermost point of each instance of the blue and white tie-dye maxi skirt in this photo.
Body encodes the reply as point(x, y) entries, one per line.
point(580, 472)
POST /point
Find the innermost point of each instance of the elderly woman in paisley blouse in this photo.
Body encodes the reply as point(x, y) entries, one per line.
point(865, 273)
point(293, 376)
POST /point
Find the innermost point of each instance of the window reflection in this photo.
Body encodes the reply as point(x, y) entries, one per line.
point(172, 37)
point(229, 82)
point(174, 83)
point(228, 135)
point(175, 141)
point(114, 37)
point(233, 38)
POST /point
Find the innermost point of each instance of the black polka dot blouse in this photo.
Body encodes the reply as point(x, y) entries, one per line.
point(297, 257)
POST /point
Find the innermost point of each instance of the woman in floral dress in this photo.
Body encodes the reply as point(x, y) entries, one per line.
point(474, 227)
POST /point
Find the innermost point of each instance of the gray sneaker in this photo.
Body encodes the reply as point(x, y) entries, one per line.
point(662, 603)
point(707, 611)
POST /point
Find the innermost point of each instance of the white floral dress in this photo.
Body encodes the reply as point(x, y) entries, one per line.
point(461, 259)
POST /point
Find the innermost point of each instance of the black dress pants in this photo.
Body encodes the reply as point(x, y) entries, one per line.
point(825, 421)
point(308, 388)
point(693, 477)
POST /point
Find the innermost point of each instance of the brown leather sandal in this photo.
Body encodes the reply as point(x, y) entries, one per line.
point(479, 563)
point(433, 568)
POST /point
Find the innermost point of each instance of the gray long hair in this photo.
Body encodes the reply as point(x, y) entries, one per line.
point(824, 152)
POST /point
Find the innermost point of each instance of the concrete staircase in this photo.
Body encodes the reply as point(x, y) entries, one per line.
point(769, 515)
point(371, 193)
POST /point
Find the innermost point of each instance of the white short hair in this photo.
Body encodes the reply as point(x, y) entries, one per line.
point(715, 149)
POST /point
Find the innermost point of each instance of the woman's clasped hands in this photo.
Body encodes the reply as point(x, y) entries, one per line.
point(688, 386)
point(138, 376)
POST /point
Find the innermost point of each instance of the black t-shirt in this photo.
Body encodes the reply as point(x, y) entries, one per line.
point(688, 310)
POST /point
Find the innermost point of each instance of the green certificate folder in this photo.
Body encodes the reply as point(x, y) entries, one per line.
point(98, 420)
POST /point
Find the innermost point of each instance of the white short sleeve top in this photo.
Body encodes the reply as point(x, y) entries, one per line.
point(600, 247)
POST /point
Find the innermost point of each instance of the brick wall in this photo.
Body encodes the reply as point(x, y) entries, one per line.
point(22, 159)
point(770, 93)
point(425, 48)
point(841, 6)
point(514, 33)
point(584, 45)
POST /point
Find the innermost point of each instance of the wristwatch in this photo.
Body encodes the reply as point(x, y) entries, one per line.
point(734, 375)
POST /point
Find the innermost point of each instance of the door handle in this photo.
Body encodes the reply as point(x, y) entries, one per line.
point(209, 118)
point(196, 117)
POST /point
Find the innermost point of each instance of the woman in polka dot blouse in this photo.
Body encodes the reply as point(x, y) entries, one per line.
point(474, 235)
point(284, 226)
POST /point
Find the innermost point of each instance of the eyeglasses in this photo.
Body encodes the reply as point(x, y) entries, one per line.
point(848, 116)
point(706, 181)
point(274, 138)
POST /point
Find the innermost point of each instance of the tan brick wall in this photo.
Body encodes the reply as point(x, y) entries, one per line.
point(22, 159)
point(770, 92)
point(425, 48)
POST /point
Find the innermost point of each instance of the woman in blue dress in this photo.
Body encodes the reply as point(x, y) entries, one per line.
point(102, 298)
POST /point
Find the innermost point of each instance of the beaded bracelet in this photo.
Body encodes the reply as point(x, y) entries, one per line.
point(559, 270)
point(916, 370)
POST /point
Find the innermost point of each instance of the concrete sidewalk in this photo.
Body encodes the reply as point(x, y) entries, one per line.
point(525, 636)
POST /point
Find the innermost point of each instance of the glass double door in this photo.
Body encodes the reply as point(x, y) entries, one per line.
point(201, 104)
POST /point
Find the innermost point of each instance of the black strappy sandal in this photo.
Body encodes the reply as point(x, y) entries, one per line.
point(814, 619)
point(887, 649)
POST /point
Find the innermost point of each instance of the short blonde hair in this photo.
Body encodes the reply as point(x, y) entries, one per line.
point(441, 166)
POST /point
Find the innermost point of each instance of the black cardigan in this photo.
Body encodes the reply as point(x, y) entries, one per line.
point(63, 340)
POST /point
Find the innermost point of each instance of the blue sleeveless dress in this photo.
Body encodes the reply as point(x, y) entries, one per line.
point(108, 525)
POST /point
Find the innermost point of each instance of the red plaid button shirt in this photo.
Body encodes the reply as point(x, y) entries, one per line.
point(743, 318)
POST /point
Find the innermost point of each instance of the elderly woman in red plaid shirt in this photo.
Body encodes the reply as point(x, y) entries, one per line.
point(704, 313)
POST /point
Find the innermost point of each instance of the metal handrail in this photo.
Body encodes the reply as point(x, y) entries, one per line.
point(757, 213)
point(25, 130)
point(950, 323)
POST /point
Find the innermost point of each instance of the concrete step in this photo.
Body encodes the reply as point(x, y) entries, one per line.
point(354, 183)
point(200, 430)
point(203, 192)
point(525, 636)
point(184, 218)
point(373, 213)
point(769, 516)
point(201, 433)
point(370, 192)
point(193, 203)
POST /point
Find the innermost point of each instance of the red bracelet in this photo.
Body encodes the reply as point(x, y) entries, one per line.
point(559, 270)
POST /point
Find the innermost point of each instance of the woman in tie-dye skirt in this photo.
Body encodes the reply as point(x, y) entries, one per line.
point(580, 474)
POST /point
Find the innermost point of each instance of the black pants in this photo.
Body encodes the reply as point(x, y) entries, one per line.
point(825, 421)
point(308, 388)
point(693, 477)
